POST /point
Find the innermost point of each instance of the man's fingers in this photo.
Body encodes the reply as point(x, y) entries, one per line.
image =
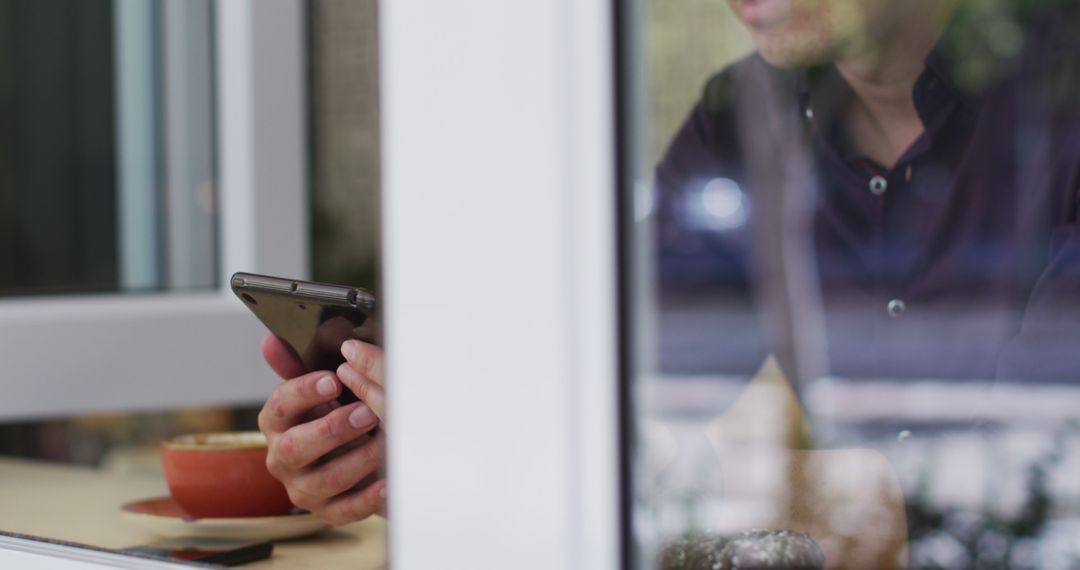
point(281, 358)
point(367, 332)
point(320, 411)
point(355, 505)
point(292, 399)
point(365, 358)
point(304, 444)
point(372, 479)
point(345, 471)
point(366, 390)
point(348, 446)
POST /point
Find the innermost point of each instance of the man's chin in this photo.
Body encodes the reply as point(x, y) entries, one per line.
point(789, 57)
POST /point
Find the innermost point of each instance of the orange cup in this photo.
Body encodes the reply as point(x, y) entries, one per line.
point(223, 475)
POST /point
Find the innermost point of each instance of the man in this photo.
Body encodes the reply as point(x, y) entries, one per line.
point(911, 172)
point(893, 186)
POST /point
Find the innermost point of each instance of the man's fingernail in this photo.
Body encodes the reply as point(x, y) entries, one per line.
point(361, 417)
point(382, 492)
point(348, 349)
point(326, 386)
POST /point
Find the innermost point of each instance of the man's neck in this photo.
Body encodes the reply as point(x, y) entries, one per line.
point(882, 120)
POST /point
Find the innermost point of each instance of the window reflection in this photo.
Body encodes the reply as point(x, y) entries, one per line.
point(866, 286)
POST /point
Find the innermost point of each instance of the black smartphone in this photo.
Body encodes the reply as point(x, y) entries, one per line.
point(205, 550)
point(312, 319)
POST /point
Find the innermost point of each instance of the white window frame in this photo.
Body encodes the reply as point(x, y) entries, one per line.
point(499, 280)
point(124, 352)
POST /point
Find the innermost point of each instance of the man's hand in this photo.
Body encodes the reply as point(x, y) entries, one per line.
point(325, 454)
point(362, 372)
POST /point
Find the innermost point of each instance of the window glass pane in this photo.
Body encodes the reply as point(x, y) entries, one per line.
point(106, 125)
point(856, 283)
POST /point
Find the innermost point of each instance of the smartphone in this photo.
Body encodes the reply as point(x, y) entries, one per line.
point(205, 550)
point(312, 319)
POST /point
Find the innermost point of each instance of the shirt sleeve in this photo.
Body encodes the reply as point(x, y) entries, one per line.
point(703, 147)
point(698, 262)
point(691, 250)
point(687, 162)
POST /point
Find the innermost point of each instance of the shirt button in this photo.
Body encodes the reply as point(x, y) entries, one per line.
point(878, 185)
point(809, 114)
point(895, 308)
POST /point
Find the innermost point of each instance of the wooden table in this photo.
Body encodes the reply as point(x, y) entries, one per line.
point(82, 505)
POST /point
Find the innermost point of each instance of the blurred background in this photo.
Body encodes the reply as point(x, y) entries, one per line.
point(108, 169)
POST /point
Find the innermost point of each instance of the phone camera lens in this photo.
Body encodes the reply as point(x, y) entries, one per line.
point(250, 299)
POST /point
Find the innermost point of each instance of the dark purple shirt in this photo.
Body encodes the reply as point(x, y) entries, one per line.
point(961, 261)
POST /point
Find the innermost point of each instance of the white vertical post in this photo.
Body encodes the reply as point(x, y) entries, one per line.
point(499, 280)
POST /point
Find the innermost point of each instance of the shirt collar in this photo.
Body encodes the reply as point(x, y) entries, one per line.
point(825, 92)
point(824, 95)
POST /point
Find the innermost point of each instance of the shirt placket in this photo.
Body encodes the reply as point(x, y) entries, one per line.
point(878, 189)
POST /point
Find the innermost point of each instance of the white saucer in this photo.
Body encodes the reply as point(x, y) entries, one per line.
point(163, 517)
